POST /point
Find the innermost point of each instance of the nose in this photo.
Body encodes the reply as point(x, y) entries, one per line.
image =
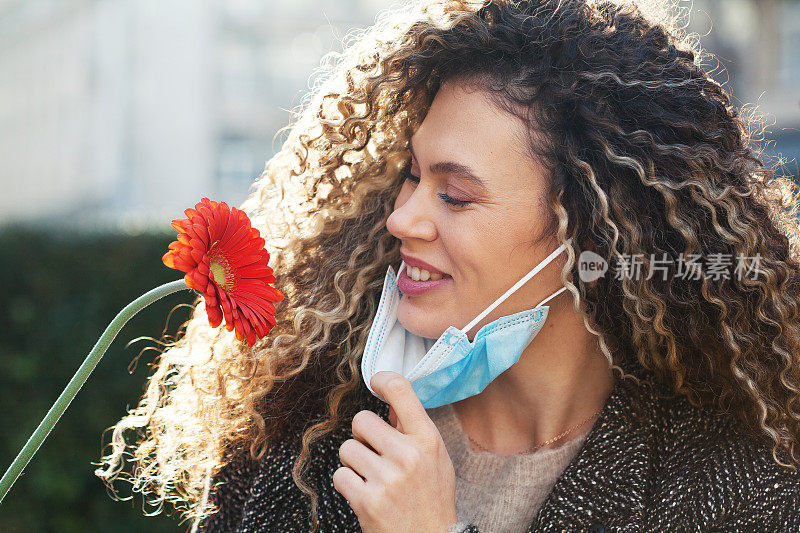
point(413, 216)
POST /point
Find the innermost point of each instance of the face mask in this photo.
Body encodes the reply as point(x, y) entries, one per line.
point(450, 368)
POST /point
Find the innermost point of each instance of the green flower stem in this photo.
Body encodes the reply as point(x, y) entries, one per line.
point(79, 378)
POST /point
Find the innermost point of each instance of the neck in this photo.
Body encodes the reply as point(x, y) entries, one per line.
point(555, 385)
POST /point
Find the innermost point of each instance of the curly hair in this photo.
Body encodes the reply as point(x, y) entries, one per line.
point(647, 156)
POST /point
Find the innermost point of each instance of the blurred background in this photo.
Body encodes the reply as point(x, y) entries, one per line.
point(115, 115)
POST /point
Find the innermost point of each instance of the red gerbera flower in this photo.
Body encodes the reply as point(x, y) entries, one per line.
point(224, 258)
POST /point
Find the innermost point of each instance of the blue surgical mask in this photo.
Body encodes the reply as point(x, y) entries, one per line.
point(450, 368)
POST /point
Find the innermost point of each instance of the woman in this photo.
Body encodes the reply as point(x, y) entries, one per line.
point(478, 142)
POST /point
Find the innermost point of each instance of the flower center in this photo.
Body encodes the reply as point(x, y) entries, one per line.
point(219, 273)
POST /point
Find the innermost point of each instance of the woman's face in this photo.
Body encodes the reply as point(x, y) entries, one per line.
point(486, 244)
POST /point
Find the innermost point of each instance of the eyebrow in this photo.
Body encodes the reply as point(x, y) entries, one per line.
point(451, 167)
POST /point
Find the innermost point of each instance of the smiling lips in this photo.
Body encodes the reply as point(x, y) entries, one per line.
point(411, 287)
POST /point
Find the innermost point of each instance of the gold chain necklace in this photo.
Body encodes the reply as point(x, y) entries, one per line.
point(529, 450)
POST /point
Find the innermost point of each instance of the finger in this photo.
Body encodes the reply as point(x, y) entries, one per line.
point(360, 459)
point(350, 485)
point(399, 394)
point(374, 432)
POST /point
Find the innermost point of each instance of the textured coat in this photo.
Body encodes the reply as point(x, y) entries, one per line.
point(651, 462)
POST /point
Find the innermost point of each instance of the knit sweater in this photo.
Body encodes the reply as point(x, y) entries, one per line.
point(500, 493)
point(651, 462)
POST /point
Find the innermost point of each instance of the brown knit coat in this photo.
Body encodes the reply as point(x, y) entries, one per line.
point(651, 463)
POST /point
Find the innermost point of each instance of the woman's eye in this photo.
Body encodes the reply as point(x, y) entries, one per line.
point(452, 201)
point(446, 197)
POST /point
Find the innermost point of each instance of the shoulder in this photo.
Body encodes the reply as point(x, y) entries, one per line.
point(708, 466)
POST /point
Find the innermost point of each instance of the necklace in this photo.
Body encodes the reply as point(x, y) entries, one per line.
point(529, 450)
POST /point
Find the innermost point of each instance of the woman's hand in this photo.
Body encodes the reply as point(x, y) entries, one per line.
point(399, 477)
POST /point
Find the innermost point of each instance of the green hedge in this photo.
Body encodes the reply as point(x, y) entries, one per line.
point(58, 293)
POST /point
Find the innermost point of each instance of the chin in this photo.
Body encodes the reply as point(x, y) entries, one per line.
point(417, 323)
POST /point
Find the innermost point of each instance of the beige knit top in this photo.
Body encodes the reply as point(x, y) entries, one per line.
point(500, 493)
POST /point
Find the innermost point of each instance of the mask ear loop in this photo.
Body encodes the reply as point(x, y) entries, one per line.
point(517, 285)
point(559, 291)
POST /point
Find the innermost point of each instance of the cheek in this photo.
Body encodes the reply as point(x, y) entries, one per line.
point(486, 247)
point(468, 246)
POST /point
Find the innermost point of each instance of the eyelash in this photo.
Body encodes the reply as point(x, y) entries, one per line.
point(444, 196)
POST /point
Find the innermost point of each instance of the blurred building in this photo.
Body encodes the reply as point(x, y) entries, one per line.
point(134, 109)
point(757, 49)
